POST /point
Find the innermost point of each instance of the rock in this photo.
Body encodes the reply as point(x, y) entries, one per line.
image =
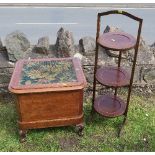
point(5, 75)
point(43, 42)
point(110, 52)
point(40, 50)
point(104, 58)
point(114, 53)
point(128, 67)
point(33, 53)
point(16, 45)
point(112, 29)
point(152, 48)
point(149, 75)
point(64, 43)
point(52, 51)
point(145, 54)
point(76, 48)
point(78, 55)
point(88, 60)
point(87, 45)
point(145, 57)
point(1, 45)
point(43, 46)
point(4, 61)
point(6, 70)
point(152, 45)
point(89, 76)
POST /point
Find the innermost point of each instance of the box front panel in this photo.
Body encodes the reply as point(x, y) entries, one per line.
point(51, 105)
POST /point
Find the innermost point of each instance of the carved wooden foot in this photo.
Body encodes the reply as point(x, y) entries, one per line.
point(22, 134)
point(79, 129)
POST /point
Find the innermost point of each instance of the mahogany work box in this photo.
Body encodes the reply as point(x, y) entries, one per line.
point(49, 93)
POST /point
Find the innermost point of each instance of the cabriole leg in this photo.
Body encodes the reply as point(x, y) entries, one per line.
point(22, 134)
point(79, 129)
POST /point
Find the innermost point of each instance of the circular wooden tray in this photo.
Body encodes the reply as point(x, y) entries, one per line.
point(113, 76)
point(117, 41)
point(109, 106)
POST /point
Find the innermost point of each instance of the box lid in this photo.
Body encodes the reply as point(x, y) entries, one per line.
point(43, 75)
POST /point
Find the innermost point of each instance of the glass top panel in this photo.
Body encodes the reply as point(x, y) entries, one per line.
point(47, 72)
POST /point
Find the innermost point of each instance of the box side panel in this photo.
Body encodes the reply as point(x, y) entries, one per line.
point(51, 105)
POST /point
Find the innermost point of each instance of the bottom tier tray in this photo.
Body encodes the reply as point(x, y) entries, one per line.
point(109, 106)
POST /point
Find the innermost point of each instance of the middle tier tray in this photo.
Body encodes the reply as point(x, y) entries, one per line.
point(113, 76)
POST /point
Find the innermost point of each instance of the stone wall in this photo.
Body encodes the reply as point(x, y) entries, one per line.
point(17, 46)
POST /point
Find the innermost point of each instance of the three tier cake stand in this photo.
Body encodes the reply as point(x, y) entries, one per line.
point(111, 105)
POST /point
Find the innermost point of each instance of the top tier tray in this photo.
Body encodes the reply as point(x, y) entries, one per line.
point(117, 41)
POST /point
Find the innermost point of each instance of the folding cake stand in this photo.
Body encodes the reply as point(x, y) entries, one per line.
point(115, 77)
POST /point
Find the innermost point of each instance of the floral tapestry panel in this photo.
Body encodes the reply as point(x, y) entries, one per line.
point(47, 72)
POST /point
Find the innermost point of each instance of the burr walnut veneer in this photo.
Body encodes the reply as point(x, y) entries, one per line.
point(49, 93)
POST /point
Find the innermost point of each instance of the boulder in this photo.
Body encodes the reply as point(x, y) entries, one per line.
point(152, 47)
point(6, 70)
point(145, 54)
point(87, 45)
point(16, 45)
point(4, 63)
point(104, 58)
point(5, 75)
point(43, 46)
point(110, 52)
point(34, 55)
point(40, 50)
point(64, 43)
point(112, 29)
point(149, 75)
point(35, 52)
point(145, 57)
point(43, 42)
point(78, 55)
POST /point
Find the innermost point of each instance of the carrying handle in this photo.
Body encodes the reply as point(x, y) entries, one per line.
point(120, 12)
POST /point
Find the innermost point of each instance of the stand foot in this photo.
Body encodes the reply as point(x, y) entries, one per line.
point(122, 126)
point(79, 129)
point(22, 134)
point(91, 117)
